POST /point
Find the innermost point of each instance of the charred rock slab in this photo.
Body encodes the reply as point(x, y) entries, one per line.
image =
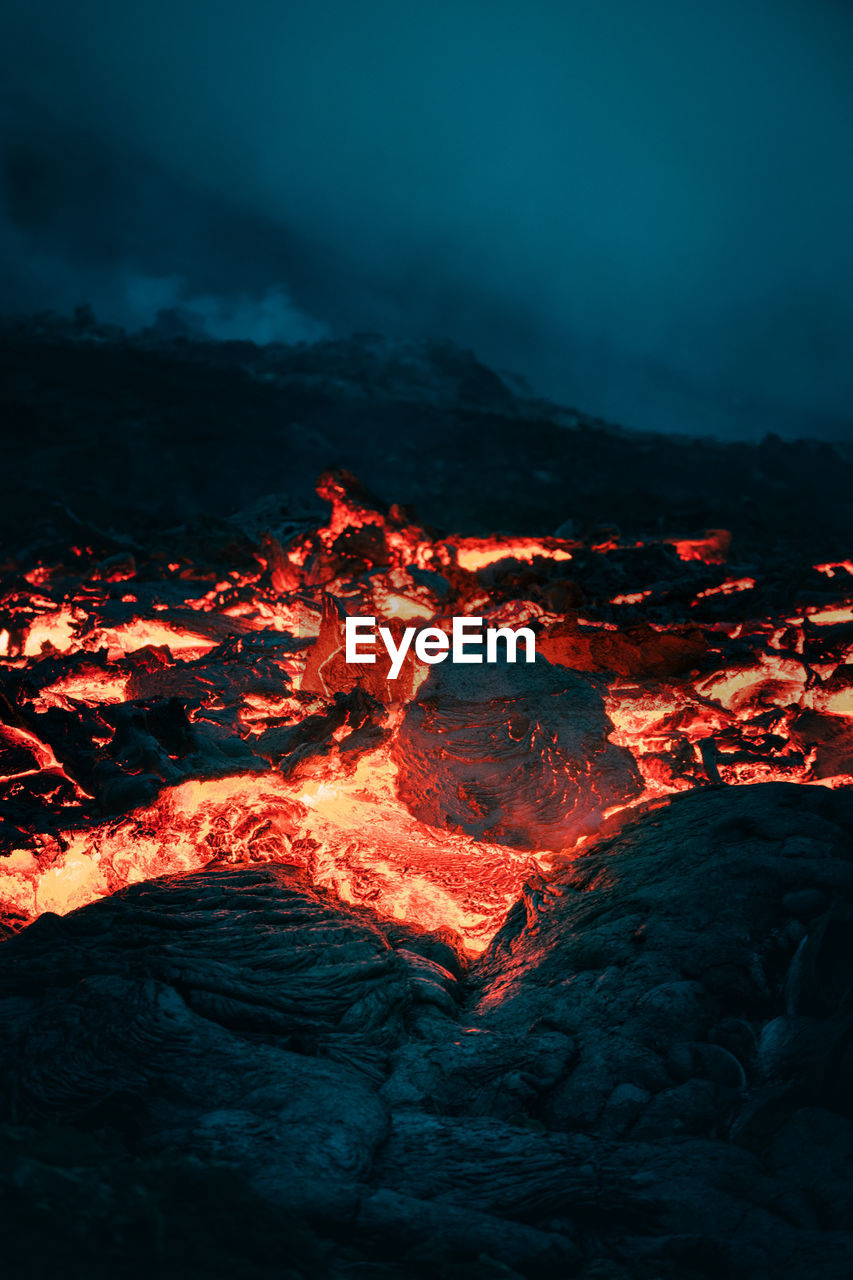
point(513, 753)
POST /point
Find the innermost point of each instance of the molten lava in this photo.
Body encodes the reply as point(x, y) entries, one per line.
point(157, 714)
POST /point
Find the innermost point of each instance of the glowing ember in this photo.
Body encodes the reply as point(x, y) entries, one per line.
point(712, 549)
point(835, 614)
point(728, 588)
point(832, 568)
point(631, 597)
point(476, 553)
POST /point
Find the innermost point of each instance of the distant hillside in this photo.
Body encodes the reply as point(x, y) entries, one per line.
point(166, 426)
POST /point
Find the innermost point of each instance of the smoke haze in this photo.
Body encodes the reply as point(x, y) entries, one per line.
point(645, 210)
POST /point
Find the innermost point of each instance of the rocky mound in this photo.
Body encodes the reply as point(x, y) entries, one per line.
point(647, 1074)
point(513, 753)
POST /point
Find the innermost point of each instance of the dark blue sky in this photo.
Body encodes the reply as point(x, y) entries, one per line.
point(645, 209)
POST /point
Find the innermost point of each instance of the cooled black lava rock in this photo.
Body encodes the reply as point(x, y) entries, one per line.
point(647, 1074)
point(513, 753)
point(673, 956)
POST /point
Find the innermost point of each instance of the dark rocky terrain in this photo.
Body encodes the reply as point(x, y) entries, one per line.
point(647, 1074)
point(159, 428)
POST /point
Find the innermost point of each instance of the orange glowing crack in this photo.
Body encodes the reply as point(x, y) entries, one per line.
point(476, 553)
point(728, 588)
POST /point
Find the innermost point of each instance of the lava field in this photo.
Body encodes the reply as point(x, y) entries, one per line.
point(525, 969)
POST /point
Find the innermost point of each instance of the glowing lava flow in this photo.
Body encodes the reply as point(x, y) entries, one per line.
point(352, 833)
point(156, 714)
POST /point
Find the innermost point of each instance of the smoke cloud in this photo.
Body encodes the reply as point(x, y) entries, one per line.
point(643, 209)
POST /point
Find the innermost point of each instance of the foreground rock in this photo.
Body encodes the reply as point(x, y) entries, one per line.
point(512, 753)
point(647, 1074)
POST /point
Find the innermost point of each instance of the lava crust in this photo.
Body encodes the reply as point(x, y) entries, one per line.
point(515, 753)
point(645, 1069)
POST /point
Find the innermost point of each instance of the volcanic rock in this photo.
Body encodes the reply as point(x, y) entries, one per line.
point(587, 1099)
point(514, 753)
